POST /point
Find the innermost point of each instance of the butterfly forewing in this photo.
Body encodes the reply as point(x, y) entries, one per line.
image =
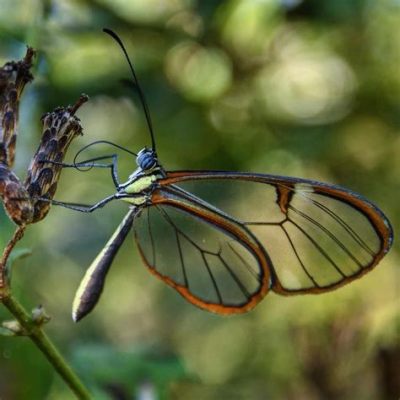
point(220, 268)
point(317, 236)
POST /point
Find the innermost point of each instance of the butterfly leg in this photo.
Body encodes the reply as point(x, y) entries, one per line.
point(90, 163)
point(86, 208)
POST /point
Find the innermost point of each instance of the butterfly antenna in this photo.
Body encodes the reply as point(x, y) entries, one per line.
point(94, 143)
point(135, 79)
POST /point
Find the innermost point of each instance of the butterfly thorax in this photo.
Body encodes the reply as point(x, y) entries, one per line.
point(137, 189)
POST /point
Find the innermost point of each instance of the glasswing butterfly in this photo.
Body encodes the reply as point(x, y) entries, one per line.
point(288, 235)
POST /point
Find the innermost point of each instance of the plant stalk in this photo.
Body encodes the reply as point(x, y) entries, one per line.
point(38, 336)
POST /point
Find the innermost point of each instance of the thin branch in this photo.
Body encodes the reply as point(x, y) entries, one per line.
point(38, 336)
point(34, 329)
point(18, 234)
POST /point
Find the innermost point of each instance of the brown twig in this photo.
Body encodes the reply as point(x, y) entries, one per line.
point(18, 234)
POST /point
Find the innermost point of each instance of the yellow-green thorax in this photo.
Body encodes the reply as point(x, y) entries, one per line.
point(139, 185)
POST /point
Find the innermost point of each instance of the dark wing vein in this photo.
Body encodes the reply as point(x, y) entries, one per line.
point(214, 282)
point(319, 248)
point(153, 249)
point(298, 257)
point(203, 252)
point(328, 233)
point(245, 263)
point(235, 278)
point(344, 225)
point(186, 284)
point(169, 220)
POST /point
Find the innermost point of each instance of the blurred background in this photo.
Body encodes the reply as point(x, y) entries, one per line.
point(289, 87)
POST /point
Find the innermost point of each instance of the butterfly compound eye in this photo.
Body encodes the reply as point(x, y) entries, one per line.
point(146, 159)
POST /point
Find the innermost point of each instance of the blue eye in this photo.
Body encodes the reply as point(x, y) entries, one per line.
point(146, 159)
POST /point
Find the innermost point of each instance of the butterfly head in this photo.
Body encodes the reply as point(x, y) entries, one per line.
point(147, 159)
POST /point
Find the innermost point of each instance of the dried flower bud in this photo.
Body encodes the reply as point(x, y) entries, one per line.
point(14, 75)
point(16, 199)
point(60, 127)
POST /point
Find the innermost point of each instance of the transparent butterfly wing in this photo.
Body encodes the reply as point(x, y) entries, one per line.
point(211, 260)
point(317, 237)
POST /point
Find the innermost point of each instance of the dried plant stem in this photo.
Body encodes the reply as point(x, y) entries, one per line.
point(33, 329)
point(19, 232)
point(41, 340)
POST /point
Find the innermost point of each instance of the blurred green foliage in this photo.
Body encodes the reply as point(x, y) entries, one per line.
point(302, 88)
